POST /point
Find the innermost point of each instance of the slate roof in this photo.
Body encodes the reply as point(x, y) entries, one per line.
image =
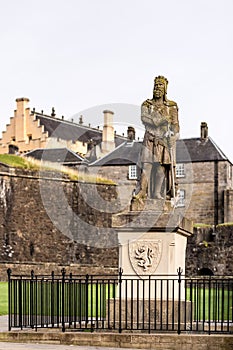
point(187, 150)
point(55, 155)
point(198, 150)
point(125, 154)
point(66, 130)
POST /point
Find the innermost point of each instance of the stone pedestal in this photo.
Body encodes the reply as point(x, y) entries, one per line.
point(152, 246)
point(152, 242)
point(158, 234)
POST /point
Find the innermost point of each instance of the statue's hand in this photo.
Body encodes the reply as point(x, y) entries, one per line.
point(159, 120)
point(171, 141)
point(169, 133)
point(147, 119)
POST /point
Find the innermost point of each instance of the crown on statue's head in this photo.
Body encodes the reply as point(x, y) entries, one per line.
point(161, 79)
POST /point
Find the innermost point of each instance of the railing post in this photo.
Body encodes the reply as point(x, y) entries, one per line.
point(209, 305)
point(20, 303)
point(9, 299)
point(63, 271)
point(32, 299)
point(71, 314)
point(179, 271)
point(86, 297)
point(52, 299)
point(120, 286)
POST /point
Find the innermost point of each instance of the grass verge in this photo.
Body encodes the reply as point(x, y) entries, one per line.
point(3, 298)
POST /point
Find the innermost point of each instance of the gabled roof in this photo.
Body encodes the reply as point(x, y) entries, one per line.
point(125, 154)
point(187, 150)
point(66, 130)
point(55, 155)
point(198, 150)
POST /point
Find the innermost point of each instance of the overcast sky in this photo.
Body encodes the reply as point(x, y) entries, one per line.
point(76, 54)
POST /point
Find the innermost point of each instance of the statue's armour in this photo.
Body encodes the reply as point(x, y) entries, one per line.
point(158, 120)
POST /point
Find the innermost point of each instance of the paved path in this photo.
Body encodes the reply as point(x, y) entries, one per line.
point(3, 323)
point(22, 346)
point(32, 346)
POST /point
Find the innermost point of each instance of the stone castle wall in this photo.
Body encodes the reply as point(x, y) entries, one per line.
point(120, 175)
point(52, 220)
point(210, 249)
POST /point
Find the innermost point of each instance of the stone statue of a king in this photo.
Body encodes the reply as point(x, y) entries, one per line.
point(158, 157)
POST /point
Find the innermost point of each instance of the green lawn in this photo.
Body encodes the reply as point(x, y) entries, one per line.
point(46, 298)
point(3, 298)
point(214, 304)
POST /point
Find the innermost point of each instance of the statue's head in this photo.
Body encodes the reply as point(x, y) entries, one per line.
point(160, 87)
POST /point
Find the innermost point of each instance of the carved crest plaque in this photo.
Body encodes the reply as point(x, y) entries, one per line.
point(145, 256)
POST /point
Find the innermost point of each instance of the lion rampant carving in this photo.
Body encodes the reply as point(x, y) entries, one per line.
point(145, 256)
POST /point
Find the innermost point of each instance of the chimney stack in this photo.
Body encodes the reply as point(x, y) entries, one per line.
point(21, 115)
point(131, 133)
point(108, 141)
point(204, 130)
point(22, 104)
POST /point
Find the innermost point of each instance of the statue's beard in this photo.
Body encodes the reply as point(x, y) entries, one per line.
point(158, 93)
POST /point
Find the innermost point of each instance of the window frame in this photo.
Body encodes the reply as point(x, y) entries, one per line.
point(181, 198)
point(132, 174)
point(180, 170)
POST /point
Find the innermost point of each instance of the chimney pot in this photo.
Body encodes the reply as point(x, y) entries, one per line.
point(108, 111)
point(53, 112)
point(22, 99)
point(81, 120)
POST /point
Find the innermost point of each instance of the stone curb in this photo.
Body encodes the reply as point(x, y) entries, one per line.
point(123, 340)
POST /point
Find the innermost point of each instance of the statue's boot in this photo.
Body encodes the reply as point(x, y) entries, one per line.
point(145, 183)
point(158, 185)
point(142, 193)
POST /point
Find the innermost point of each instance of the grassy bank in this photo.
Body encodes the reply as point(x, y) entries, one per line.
point(3, 298)
point(37, 165)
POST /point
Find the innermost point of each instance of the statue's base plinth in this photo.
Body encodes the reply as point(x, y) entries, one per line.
point(151, 204)
point(156, 214)
point(148, 314)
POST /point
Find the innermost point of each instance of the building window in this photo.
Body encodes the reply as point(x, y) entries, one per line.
point(180, 198)
point(133, 172)
point(180, 170)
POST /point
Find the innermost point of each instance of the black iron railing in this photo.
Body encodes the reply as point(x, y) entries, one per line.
point(122, 303)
